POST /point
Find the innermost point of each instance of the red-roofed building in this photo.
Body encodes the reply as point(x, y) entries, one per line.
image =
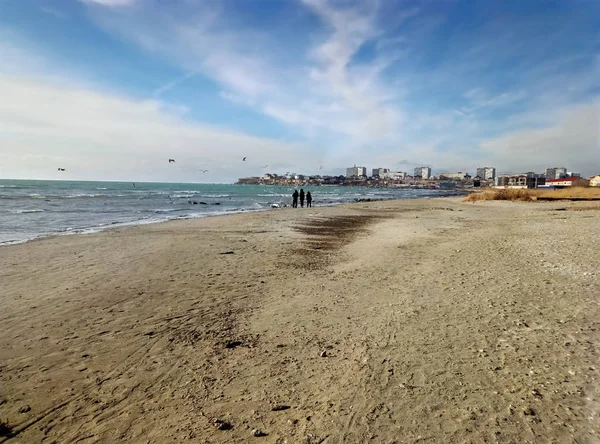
point(568, 182)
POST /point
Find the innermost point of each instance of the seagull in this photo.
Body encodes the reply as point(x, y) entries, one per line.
point(266, 166)
point(321, 167)
point(244, 159)
point(61, 169)
point(204, 171)
point(171, 160)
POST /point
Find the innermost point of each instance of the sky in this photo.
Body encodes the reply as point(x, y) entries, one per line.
point(112, 89)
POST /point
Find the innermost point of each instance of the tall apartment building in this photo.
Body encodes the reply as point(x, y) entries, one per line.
point(555, 173)
point(486, 173)
point(379, 172)
point(423, 172)
point(356, 171)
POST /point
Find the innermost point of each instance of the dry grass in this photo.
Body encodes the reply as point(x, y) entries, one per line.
point(529, 195)
point(500, 194)
point(567, 193)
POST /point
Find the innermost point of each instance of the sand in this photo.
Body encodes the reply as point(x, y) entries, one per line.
point(424, 321)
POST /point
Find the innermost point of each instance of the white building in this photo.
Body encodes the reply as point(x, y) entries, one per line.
point(398, 175)
point(486, 173)
point(456, 176)
point(356, 171)
point(379, 172)
point(423, 172)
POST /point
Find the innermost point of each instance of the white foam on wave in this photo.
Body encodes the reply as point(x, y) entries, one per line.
point(35, 210)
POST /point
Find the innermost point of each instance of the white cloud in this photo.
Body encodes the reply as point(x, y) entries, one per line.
point(321, 85)
point(95, 135)
point(573, 141)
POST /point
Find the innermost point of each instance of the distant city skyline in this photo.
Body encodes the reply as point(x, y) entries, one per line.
point(112, 89)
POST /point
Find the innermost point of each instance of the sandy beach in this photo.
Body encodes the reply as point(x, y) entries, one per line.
point(415, 321)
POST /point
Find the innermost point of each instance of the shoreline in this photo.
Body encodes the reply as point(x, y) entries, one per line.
point(415, 319)
point(141, 222)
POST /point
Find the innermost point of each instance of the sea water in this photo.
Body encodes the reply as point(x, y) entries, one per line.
point(31, 208)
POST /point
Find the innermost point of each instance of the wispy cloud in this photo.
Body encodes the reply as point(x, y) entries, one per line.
point(320, 90)
point(173, 83)
point(54, 12)
point(110, 3)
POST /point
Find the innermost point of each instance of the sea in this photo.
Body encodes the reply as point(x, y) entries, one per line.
point(30, 209)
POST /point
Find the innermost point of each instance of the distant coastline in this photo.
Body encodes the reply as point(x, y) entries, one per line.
point(343, 181)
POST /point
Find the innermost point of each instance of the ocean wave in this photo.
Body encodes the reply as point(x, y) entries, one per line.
point(170, 210)
point(35, 210)
point(181, 196)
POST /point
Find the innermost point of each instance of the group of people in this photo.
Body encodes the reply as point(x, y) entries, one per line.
point(302, 196)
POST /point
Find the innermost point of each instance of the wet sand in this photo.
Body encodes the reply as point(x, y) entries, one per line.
point(422, 321)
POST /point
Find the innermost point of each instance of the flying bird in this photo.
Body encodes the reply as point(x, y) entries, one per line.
point(171, 160)
point(204, 171)
point(266, 166)
point(61, 169)
point(321, 167)
point(244, 159)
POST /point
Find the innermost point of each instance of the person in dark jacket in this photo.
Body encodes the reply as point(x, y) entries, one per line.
point(308, 200)
point(295, 199)
point(301, 197)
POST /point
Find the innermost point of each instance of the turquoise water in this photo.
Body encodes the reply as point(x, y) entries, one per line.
point(30, 209)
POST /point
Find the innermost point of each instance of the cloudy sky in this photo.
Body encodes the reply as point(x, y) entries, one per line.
point(111, 89)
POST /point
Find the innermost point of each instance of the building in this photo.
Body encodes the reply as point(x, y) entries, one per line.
point(454, 176)
point(486, 173)
point(423, 173)
point(394, 175)
point(568, 182)
point(595, 181)
point(380, 172)
point(523, 180)
point(356, 171)
point(555, 173)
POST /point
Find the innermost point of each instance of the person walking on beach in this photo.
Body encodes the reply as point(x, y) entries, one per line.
point(301, 197)
point(295, 199)
point(308, 200)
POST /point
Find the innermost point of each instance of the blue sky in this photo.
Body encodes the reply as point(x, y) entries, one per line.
point(110, 89)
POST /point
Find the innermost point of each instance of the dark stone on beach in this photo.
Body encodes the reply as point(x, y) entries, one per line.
point(257, 433)
point(529, 412)
point(233, 344)
point(222, 425)
point(203, 203)
point(24, 409)
point(323, 354)
point(278, 408)
point(217, 203)
point(5, 429)
point(227, 252)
